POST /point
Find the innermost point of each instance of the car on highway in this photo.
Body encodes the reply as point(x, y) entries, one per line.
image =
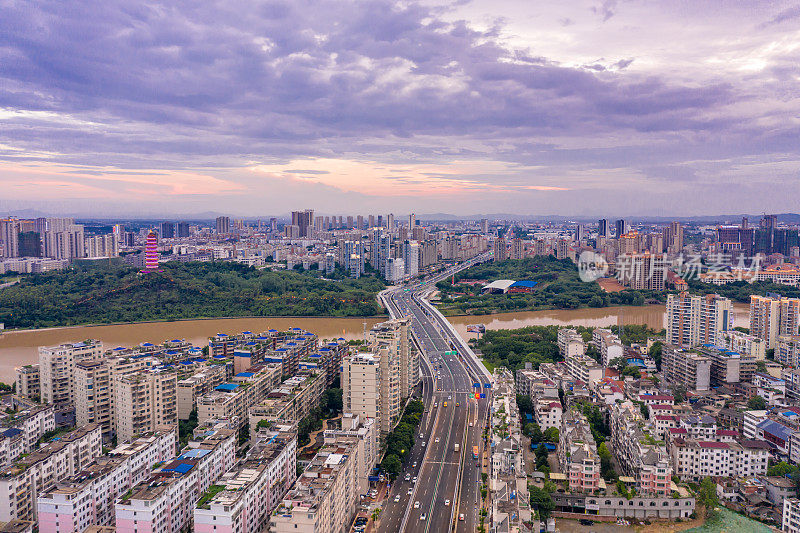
point(414, 479)
point(421, 436)
point(461, 517)
point(410, 491)
point(416, 504)
point(408, 477)
point(422, 516)
point(437, 439)
point(470, 424)
point(397, 498)
point(447, 503)
point(414, 464)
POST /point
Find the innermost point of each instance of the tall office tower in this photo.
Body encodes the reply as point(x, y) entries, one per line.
point(119, 232)
point(380, 221)
point(223, 225)
point(517, 249)
point(303, 220)
point(371, 221)
point(603, 227)
point(412, 222)
point(273, 224)
point(9, 233)
point(621, 227)
point(411, 258)
point(319, 223)
point(182, 229)
point(580, 233)
point(500, 249)
point(484, 226)
point(375, 247)
point(56, 370)
point(390, 222)
point(771, 317)
point(693, 320)
point(151, 253)
point(360, 222)
point(385, 251)
point(350, 222)
point(167, 230)
point(673, 237)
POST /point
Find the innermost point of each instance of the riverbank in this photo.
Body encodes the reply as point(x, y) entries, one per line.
point(21, 347)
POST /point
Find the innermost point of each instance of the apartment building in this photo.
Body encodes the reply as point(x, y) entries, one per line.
point(87, 498)
point(401, 359)
point(244, 497)
point(329, 358)
point(164, 502)
point(639, 454)
point(323, 499)
point(608, 344)
point(577, 453)
point(57, 370)
point(361, 388)
point(28, 382)
point(727, 366)
point(291, 401)
point(773, 316)
point(641, 271)
point(20, 431)
point(791, 515)
point(548, 412)
point(694, 459)
point(367, 438)
point(535, 383)
point(585, 369)
point(232, 400)
point(693, 320)
point(747, 345)
point(787, 350)
point(570, 343)
point(39, 471)
point(196, 385)
point(686, 368)
point(145, 401)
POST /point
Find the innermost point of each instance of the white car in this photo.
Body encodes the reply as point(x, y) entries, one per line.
point(421, 436)
point(397, 498)
point(410, 491)
point(447, 503)
point(414, 464)
point(470, 424)
point(422, 516)
point(437, 439)
point(414, 479)
point(408, 477)
point(416, 505)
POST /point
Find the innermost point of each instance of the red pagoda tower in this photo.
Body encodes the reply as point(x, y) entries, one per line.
point(151, 254)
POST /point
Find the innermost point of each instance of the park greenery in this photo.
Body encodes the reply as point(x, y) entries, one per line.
point(557, 287)
point(513, 348)
point(117, 292)
point(400, 441)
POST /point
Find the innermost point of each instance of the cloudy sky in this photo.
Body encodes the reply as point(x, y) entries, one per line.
point(584, 107)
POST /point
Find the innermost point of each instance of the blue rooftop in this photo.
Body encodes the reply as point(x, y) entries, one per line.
point(147, 344)
point(245, 374)
point(773, 428)
point(194, 453)
point(11, 432)
point(228, 387)
point(524, 283)
point(181, 468)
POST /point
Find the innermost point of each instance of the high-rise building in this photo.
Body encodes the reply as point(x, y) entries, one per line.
point(484, 226)
point(371, 221)
point(102, 246)
point(360, 222)
point(9, 234)
point(380, 221)
point(411, 258)
point(390, 223)
point(673, 237)
point(771, 317)
point(517, 249)
point(394, 336)
point(304, 220)
point(57, 370)
point(223, 225)
point(182, 230)
point(580, 233)
point(145, 401)
point(562, 249)
point(693, 320)
point(500, 249)
point(412, 222)
point(621, 227)
point(395, 270)
point(603, 227)
point(642, 271)
point(167, 230)
point(30, 244)
point(361, 385)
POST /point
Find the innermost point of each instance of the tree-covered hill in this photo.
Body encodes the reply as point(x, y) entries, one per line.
point(118, 293)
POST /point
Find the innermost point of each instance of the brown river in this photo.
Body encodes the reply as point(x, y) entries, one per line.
point(21, 347)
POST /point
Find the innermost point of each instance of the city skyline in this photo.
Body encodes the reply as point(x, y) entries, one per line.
point(458, 107)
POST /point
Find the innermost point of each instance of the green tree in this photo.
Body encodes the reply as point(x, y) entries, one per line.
point(655, 352)
point(619, 363)
point(524, 403)
point(391, 465)
point(631, 370)
point(551, 435)
point(542, 501)
point(541, 456)
point(707, 495)
point(757, 403)
point(761, 366)
point(606, 465)
point(781, 469)
point(536, 434)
